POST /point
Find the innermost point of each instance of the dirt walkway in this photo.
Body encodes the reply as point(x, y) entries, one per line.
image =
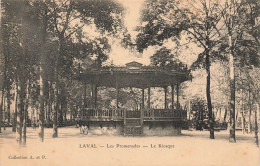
point(74, 149)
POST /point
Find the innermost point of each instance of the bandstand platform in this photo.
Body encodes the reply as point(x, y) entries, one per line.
point(142, 122)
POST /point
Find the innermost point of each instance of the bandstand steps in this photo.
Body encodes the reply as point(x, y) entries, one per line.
point(133, 127)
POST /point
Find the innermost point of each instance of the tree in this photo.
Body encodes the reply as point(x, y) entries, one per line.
point(42, 15)
point(248, 82)
point(105, 16)
point(199, 112)
point(242, 50)
point(166, 59)
point(13, 21)
point(21, 25)
point(32, 35)
point(168, 19)
point(10, 44)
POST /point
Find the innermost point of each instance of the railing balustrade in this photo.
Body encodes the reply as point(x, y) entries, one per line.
point(162, 113)
point(133, 114)
point(146, 114)
point(102, 113)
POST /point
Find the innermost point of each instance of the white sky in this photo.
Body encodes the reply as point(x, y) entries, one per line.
point(120, 56)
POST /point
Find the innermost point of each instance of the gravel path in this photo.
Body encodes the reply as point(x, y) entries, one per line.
point(73, 149)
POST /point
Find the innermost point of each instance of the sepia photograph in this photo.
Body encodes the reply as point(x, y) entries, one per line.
point(129, 82)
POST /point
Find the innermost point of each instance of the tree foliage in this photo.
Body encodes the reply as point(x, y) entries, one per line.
point(44, 43)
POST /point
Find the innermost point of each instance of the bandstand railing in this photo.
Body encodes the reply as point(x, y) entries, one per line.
point(120, 114)
point(164, 113)
point(112, 114)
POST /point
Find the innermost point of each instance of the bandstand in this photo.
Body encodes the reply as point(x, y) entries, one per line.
point(144, 121)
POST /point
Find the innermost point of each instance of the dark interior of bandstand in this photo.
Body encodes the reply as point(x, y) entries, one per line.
point(133, 75)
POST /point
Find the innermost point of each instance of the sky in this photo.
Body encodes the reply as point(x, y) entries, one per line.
point(119, 56)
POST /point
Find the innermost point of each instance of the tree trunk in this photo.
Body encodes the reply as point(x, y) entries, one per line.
point(189, 110)
point(48, 113)
point(8, 97)
point(7, 81)
point(2, 99)
point(41, 116)
point(25, 120)
point(232, 136)
point(72, 110)
point(48, 103)
point(4, 83)
point(237, 114)
point(20, 113)
point(37, 114)
point(219, 115)
point(62, 104)
point(215, 113)
point(1, 109)
point(21, 90)
point(15, 108)
point(225, 115)
point(249, 119)
point(211, 120)
point(42, 72)
point(250, 113)
point(256, 125)
point(243, 120)
point(4, 113)
point(243, 111)
point(55, 111)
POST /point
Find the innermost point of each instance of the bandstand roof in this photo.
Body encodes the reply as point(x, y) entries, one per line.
point(133, 74)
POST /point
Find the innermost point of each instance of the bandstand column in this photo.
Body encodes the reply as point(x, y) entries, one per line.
point(177, 91)
point(117, 93)
point(85, 95)
point(142, 98)
point(92, 95)
point(142, 107)
point(172, 87)
point(95, 96)
point(149, 98)
point(165, 98)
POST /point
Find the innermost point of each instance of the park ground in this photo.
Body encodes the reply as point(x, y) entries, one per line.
point(192, 148)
